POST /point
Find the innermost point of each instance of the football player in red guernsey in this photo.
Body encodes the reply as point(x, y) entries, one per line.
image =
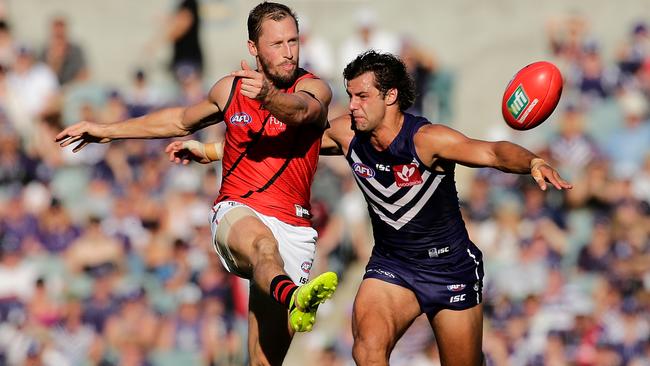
point(275, 116)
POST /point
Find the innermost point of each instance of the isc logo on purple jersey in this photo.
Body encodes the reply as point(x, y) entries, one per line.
point(240, 119)
point(363, 170)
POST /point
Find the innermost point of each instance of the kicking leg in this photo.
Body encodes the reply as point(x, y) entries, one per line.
point(382, 313)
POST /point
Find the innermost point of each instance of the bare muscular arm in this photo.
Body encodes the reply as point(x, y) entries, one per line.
point(337, 137)
point(440, 142)
point(169, 122)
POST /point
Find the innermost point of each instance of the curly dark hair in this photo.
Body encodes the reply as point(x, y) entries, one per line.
point(267, 10)
point(390, 72)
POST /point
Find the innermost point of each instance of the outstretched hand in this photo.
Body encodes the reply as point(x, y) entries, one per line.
point(543, 173)
point(83, 132)
point(184, 152)
point(254, 84)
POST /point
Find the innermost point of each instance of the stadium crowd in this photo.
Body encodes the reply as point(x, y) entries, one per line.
point(106, 256)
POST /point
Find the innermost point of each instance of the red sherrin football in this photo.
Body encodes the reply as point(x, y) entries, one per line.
point(532, 95)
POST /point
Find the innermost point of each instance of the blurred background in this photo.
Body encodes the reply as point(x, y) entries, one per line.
point(106, 257)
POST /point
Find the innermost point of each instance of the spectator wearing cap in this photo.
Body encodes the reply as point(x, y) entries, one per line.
point(628, 146)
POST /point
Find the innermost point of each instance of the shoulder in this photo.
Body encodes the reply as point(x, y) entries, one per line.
point(317, 87)
point(430, 138)
point(221, 90)
point(430, 132)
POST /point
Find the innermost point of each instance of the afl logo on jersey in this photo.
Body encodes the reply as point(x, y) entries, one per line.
point(363, 170)
point(240, 119)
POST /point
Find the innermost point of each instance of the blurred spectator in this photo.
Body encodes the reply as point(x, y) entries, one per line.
point(78, 342)
point(102, 302)
point(94, 251)
point(420, 65)
point(192, 90)
point(115, 109)
point(43, 310)
point(316, 54)
point(592, 77)
point(478, 207)
point(134, 323)
point(7, 44)
point(141, 98)
point(572, 148)
point(367, 36)
point(16, 225)
point(16, 168)
point(63, 56)
point(34, 83)
point(634, 52)
point(187, 332)
point(183, 32)
point(17, 277)
point(595, 256)
point(55, 229)
point(628, 146)
point(566, 36)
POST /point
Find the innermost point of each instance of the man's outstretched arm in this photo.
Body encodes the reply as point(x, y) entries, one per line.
point(441, 142)
point(169, 122)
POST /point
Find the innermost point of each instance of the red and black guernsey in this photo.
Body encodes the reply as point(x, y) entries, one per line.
point(267, 164)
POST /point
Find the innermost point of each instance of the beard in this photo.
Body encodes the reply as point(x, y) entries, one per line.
point(280, 81)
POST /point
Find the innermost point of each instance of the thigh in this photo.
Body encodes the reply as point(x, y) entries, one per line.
point(459, 334)
point(382, 313)
point(235, 230)
point(269, 335)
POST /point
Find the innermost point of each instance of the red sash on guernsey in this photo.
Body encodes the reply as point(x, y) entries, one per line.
point(267, 164)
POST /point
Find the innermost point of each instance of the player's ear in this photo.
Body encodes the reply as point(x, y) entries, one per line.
point(391, 96)
point(252, 48)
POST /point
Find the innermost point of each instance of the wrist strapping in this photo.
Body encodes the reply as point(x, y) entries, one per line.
point(214, 151)
point(536, 163)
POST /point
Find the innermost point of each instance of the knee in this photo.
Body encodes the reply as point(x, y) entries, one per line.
point(370, 350)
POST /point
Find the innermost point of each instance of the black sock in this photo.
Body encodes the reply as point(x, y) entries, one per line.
point(282, 289)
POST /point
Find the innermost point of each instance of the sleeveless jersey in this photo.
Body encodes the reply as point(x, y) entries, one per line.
point(412, 207)
point(267, 164)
